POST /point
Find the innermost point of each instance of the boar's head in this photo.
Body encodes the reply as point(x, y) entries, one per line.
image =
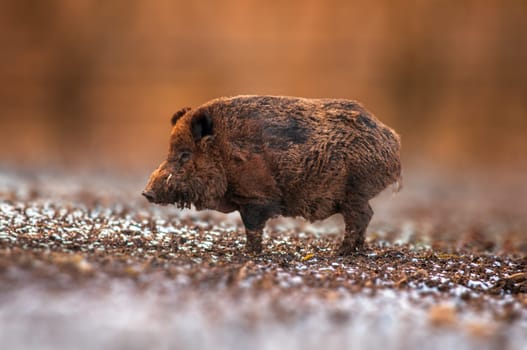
point(193, 171)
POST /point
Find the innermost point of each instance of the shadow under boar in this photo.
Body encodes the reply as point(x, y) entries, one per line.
point(266, 156)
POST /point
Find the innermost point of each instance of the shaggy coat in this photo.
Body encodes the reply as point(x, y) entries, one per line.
point(266, 156)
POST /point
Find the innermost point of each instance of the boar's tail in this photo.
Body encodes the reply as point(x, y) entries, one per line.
point(397, 186)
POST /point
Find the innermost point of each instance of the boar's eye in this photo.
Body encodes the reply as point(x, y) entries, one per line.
point(184, 157)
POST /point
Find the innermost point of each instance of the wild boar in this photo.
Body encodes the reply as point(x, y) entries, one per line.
point(266, 156)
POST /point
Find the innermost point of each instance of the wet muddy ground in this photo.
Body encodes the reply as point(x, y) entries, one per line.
point(85, 262)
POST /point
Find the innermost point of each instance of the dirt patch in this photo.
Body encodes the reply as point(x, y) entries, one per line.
point(91, 250)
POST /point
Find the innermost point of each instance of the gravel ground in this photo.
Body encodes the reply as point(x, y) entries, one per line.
point(85, 262)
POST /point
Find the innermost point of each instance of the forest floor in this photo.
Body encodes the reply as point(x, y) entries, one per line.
point(85, 262)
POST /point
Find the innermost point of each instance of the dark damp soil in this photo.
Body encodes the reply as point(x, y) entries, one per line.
point(86, 259)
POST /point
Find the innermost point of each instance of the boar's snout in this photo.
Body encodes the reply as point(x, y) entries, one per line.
point(156, 187)
point(150, 195)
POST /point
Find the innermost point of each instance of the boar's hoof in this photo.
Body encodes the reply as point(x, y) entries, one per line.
point(351, 246)
point(254, 242)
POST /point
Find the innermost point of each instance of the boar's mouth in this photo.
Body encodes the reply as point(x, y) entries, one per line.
point(181, 200)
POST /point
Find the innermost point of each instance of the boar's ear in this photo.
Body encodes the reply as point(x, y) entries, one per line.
point(201, 126)
point(178, 115)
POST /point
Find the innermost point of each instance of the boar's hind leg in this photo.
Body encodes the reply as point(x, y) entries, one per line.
point(254, 218)
point(357, 217)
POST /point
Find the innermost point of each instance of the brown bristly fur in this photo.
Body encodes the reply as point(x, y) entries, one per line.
point(266, 156)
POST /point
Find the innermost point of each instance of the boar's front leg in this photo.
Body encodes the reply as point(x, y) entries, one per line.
point(254, 218)
point(357, 216)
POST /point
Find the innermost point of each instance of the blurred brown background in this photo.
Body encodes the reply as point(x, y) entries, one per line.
point(94, 83)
